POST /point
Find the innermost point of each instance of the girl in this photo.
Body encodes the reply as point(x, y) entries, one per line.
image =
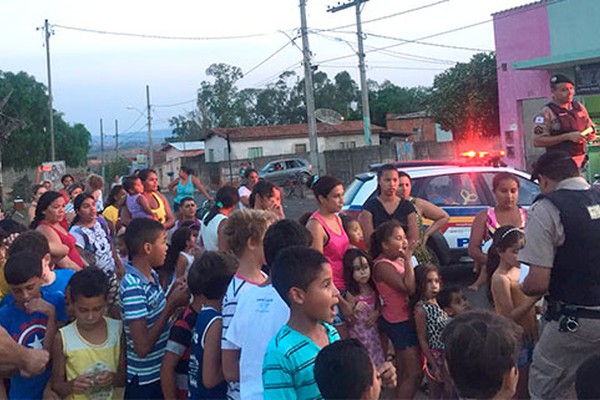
point(508, 298)
point(226, 200)
point(354, 231)
point(179, 257)
point(267, 196)
point(73, 191)
point(114, 202)
point(136, 202)
point(430, 321)
point(395, 281)
point(362, 297)
point(95, 183)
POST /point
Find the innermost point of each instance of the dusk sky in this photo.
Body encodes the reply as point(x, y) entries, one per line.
point(100, 75)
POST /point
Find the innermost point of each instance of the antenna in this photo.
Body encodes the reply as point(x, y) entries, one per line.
point(328, 116)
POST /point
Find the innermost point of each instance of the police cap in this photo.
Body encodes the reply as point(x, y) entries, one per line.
point(549, 163)
point(560, 78)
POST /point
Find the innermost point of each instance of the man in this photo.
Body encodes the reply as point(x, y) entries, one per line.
point(562, 248)
point(187, 216)
point(563, 123)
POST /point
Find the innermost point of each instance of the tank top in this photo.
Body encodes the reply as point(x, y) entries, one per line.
point(435, 321)
point(184, 191)
point(68, 240)
point(394, 307)
point(210, 233)
point(334, 249)
point(491, 222)
point(85, 357)
point(190, 261)
point(160, 213)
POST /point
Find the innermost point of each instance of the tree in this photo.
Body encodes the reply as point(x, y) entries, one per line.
point(389, 98)
point(219, 99)
point(464, 98)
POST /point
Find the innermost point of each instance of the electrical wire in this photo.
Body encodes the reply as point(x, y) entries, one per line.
point(268, 58)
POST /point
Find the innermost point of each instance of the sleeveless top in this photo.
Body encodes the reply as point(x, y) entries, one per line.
point(84, 357)
point(491, 223)
point(68, 240)
point(184, 191)
point(210, 233)
point(380, 214)
point(334, 249)
point(160, 213)
point(394, 306)
point(435, 321)
point(134, 208)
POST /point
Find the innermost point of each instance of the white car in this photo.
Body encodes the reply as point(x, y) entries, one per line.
point(461, 190)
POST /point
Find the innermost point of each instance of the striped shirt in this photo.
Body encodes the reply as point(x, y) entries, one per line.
point(288, 366)
point(143, 298)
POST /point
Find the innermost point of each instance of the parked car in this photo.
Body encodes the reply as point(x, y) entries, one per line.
point(461, 190)
point(279, 171)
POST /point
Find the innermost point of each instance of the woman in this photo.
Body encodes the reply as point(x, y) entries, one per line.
point(49, 221)
point(505, 187)
point(387, 206)
point(93, 242)
point(37, 191)
point(212, 237)
point(114, 202)
point(426, 210)
point(158, 202)
point(74, 190)
point(245, 189)
point(267, 196)
point(185, 186)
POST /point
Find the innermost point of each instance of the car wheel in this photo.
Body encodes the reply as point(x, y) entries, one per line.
point(304, 177)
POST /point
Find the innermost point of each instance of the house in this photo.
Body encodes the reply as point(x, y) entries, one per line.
point(275, 140)
point(177, 154)
point(417, 126)
point(533, 42)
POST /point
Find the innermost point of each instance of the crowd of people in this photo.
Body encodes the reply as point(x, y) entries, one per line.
point(244, 303)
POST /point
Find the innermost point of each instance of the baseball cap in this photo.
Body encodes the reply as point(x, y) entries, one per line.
point(560, 78)
point(551, 161)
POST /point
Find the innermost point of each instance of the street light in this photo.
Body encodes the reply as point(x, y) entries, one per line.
point(149, 123)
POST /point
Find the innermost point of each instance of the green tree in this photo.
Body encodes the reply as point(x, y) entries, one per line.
point(119, 166)
point(464, 98)
point(388, 98)
point(219, 99)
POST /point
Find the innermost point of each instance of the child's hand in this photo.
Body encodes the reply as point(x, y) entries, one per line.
point(104, 378)
point(361, 306)
point(178, 295)
point(387, 373)
point(40, 305)
point(82, 383)
point(372, 319)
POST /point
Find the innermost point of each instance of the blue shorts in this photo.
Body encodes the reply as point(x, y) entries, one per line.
point(526, 352)
point(402, 334)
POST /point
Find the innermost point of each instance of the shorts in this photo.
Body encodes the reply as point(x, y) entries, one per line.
point(526, 352)
point(402, 334)
point(338, 320)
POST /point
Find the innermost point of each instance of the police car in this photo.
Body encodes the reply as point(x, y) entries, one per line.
point(462, 190)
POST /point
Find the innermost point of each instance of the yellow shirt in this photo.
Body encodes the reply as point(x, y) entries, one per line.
point(82, 357)
point(111, 213)
point(160, 213)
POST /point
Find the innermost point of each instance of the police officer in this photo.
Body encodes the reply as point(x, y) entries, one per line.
point(562, 124)
point(562, 248)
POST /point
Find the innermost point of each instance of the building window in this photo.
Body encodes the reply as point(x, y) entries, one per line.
point(300, 148)
point(211, 155)
point(254, 152)
point(348, 145)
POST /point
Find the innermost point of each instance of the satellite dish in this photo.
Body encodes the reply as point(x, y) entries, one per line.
point(328, 116)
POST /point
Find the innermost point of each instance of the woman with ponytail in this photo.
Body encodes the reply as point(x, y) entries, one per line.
point(226, 200)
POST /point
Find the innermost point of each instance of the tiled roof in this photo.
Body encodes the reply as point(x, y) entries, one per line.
point(523, 6)
point(245, 133)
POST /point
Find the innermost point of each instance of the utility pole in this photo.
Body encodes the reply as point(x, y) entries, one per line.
point(102, 148)
point(150, 151)
point(309, 91)
point(47, 33)
point(116, 139)
point(361, 66)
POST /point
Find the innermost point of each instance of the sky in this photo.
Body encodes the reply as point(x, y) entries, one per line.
point(104, 76)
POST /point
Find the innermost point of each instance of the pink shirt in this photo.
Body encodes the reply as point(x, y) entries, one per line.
point(334, 250)
point(395, 303)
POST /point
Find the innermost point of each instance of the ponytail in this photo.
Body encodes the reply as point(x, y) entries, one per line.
point(226, 197)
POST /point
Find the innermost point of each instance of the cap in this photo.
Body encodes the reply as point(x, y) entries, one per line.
point(560, 78)
point(551, 161)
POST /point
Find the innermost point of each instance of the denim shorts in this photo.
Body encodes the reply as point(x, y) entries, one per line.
point(402, 334)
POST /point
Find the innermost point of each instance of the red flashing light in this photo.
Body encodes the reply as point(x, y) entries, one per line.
point(486, 157)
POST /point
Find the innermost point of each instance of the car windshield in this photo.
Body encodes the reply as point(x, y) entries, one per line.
point(351, 191)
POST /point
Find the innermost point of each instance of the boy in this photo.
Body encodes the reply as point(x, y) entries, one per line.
point(30, 317)
point(88, 358)
point(453, 301)
point(208, 279)
point(303, 278)
point(145, 308)
point(261, 312)
point(481, 352)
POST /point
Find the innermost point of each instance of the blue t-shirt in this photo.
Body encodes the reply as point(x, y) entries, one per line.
point(29, 330)
point(59, 286)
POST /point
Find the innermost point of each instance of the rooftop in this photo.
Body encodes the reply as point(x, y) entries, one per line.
point(186, 146)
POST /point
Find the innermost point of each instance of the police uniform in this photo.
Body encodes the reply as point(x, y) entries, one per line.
point(563, 233)
point(553, 120)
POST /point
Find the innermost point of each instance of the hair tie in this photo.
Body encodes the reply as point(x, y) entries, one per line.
point(315, 178)
point(510, 231)
point(219, 204)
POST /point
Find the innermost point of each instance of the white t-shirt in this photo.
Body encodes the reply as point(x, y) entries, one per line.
point(243, 191)
point(259, 315)
point(210, 233)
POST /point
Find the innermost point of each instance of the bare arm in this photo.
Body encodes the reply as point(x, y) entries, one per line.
point(503, 301)
point(57, 249)
point(200, 187)
point(413, 231)
point(434, 213)
point(28, 361)
point(477, 235)
point(318, 234)
point(59, 383)
point(387, 273)
point(169, 219)
point(551, 140)
point(212, 371)
point(365, 219)
point(167, 374)
point(180, 267)
point(537, 281)
point(172, 186)
point(125, 216)
point(143, 202)
point(231, 364)
point(421, 328)
point(121, 376)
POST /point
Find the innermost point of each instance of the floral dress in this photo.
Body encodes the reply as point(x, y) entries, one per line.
point(368, 335)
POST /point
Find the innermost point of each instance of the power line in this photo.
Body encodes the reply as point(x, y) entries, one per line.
point(174, 104)
point(268, 58)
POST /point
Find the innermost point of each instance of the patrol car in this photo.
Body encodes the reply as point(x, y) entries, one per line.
point(462, 190)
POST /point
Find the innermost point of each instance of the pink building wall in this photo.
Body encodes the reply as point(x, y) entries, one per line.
point(520, 34)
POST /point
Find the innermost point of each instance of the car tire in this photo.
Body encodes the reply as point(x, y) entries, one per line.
point(304, 177)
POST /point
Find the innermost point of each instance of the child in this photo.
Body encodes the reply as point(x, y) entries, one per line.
point(145, 308)
point(30, 317)
point(208, 281)
point(304, 280)
point(395, 281)
point(508, 298)
point(95, 183)
point(354, 232)
point(261, 312)
point(430, 321)
point(179, 257)
point(481, 354)
point(88, 358)
point(344, 370)
point(363, 299)
point(136, 203)
point(453, 301)
point(244, 232)
point(121, 248)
